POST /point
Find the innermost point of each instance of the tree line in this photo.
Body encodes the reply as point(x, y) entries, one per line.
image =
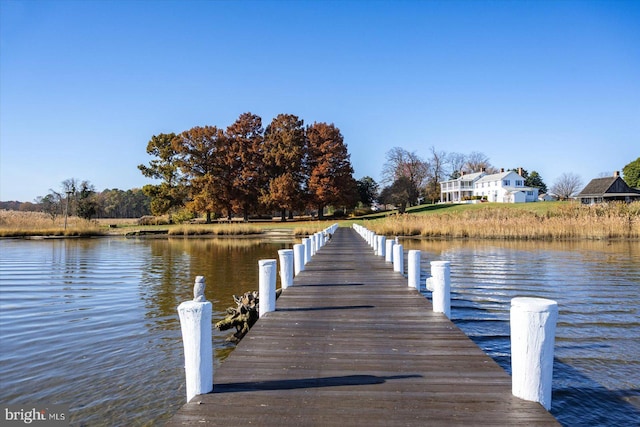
point(247, 170)
point(79, 198)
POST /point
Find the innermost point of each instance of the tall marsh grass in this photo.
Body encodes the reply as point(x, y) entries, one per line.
point(21, 224)
point(307, 229)
point(565, 221)
point(214, 230)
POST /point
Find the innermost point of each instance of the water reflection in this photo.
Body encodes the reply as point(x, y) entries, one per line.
point(597, 287)
point(99, 315)
point(230, 266)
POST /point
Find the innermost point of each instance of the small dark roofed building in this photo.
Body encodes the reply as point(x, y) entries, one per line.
point(608, 189)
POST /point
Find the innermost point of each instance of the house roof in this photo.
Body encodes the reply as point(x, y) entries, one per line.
point(597, 186)
point(466, 177)
point(497, 176)
point(609, 186)
point(471, 176)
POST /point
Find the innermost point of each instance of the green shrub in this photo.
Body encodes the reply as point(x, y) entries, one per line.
point(182, 216)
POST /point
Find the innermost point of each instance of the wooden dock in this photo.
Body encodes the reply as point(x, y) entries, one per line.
point(351, 344)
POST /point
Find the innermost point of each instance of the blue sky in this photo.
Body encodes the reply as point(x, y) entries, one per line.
point(549, 86)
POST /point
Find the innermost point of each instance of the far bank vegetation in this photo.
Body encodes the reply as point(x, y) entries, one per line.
point(547, 221)
point(22, 224)
point(539, 221)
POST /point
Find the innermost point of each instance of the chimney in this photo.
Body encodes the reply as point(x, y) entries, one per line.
point(520, 171)
point(501, 170)
point(461, 173)
point(483, 169)
point(616, 174)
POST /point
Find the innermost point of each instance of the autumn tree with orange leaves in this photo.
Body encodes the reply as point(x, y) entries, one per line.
point(247, 169)
point(245, 156)
point(202, 159)
point(285, 152)
point(330, 172)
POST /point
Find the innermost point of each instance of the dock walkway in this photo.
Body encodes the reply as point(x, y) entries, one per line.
point(350, 344)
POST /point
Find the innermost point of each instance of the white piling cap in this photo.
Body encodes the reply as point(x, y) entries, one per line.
point(534, 305)
point(440, 263)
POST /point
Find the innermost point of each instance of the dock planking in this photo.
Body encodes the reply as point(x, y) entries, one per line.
point(351, 344)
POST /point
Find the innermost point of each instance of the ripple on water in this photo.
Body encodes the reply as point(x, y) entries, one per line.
point(93, 323)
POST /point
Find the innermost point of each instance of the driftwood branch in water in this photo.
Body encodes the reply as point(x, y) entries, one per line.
point(243, 316)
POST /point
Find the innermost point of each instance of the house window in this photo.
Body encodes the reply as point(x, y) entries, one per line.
point(519, 183)
point(506, 182)
point(529, 193)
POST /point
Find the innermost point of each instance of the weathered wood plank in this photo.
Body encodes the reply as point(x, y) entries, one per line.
point(351, 344)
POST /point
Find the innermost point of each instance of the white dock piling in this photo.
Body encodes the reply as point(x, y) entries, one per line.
point(398, 258)
point(380, 247)
point(195, 324)
point(414, 269)
point(441, 284)
point(307, 249)
point(286, 267)
point(312, 242)
point(298, 258)
point(388, 254)
point(266, 286)
point(533, 331)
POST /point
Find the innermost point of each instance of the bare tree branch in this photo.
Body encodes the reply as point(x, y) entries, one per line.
point(566, 185)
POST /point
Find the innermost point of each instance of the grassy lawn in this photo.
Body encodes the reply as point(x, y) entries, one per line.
point(428, 209)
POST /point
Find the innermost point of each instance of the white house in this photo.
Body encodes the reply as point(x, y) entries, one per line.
point(503, 187)
point(459, 189)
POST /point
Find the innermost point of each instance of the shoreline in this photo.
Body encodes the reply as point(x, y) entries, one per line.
point(548, 221)
point(267, 236)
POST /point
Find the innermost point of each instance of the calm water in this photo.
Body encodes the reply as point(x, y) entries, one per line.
point(92, 324)
point(597, 286)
